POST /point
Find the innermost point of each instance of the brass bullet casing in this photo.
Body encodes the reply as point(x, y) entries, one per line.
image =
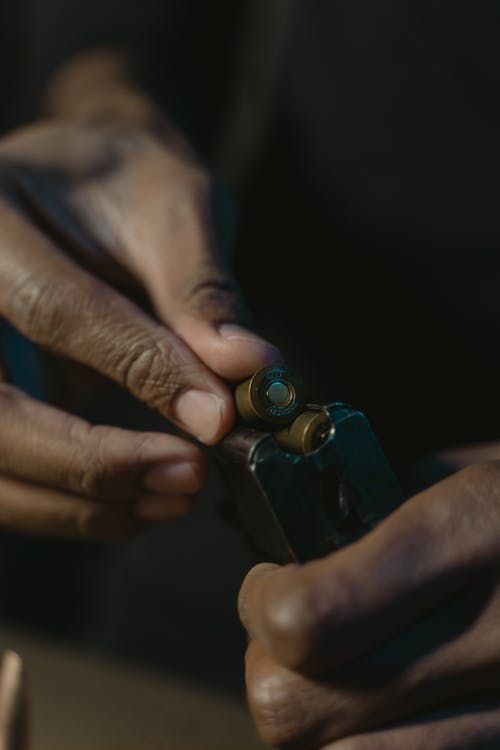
point(306, 434)
point(272, 397)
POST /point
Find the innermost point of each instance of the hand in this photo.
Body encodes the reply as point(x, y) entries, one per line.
point(436, 466)
point(392, 643)
point(109, 257)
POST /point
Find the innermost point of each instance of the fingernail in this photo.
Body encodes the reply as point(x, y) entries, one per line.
point(233, 332)
point(201, 414)
point(163, 507)
point(174, 477)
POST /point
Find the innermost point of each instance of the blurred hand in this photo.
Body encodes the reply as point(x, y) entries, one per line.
point(109, 257)
point(392, 643)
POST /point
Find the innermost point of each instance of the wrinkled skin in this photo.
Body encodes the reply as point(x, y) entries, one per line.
point(109, 257)
point(392, 643)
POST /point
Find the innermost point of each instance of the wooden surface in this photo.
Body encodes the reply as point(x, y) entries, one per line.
point(81, 702)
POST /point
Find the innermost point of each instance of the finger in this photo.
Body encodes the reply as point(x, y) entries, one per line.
point(197, 297)
point(468, 729)
point(41, 511)
point(333, 610)
point(438, 662)
point(286, 707)
point(66, 310)
point(232, 351)
point(167, 240)
point(43, 199)
point(43, 445)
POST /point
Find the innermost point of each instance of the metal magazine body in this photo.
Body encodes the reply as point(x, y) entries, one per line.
point(301, 507)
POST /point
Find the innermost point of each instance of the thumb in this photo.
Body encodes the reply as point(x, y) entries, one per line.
point(195, 295)
point(229, 349)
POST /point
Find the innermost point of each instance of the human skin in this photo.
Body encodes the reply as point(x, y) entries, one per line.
point(392, 643)
point(109, 257)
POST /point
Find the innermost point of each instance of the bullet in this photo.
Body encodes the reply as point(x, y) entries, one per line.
point(306, 434)
point(273, 396)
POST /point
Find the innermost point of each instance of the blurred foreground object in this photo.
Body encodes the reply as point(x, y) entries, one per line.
point(13, 703)
point(83, 703)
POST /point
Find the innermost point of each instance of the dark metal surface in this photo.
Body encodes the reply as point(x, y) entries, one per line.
point(300, 507)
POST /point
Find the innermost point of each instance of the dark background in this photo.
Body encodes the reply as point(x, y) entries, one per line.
point(361, 142)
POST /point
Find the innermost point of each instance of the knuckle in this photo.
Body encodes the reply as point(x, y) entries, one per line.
point(481, 474)
point(145, 368)
point(33, 309)
point(480, 507)
point(273, 702)
point(89, 468)
point(294, 625)
point(466, 507)
point(302, 616)
point(144, 447)
point(154, 374)
point(479, 492)
point(100, 471)
point(214, 293)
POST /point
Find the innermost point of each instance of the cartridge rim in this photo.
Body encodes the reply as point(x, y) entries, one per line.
point(272, 396)
point(309, 432)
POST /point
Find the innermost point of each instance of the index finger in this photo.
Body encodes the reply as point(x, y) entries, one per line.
point(326, 613)
point(58, 305)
